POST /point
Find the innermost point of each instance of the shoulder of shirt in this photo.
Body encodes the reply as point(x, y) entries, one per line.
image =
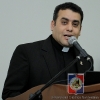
point(32, 43)
point(30, 46)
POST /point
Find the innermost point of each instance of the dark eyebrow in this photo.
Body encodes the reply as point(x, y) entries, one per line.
point(64, 18)
point(75, 21)
point(68, 19)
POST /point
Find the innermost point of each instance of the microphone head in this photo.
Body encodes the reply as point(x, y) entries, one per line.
point(71, 40)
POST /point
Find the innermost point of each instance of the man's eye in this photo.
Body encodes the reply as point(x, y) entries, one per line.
point(64, 23)
point(75, 24)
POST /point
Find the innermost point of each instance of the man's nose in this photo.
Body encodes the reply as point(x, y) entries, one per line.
point(69, 27)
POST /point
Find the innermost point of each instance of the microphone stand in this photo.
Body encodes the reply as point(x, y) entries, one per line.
point(37, 95)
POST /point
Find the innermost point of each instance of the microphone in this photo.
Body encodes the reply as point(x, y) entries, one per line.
point(73, 41)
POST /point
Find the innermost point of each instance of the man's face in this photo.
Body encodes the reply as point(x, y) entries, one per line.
point(68, 24)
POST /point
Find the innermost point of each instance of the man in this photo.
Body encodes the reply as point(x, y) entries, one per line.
point(36, 63)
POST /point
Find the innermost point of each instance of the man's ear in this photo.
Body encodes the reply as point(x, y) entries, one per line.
point(52, 25)
point(80, 30)
point(80, 27)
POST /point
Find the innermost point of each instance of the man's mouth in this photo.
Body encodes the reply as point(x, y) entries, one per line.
point(67, 36)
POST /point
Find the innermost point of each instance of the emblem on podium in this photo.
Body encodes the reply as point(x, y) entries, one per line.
point(75, 83)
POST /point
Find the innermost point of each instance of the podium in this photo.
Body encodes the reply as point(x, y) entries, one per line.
point(59, 92)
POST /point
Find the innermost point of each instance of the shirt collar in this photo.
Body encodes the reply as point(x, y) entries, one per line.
point(65, 49)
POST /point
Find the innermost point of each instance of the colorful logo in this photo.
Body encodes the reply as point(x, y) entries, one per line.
point(75, 83)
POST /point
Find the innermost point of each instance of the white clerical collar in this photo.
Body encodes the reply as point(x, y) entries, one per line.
point(65, 49)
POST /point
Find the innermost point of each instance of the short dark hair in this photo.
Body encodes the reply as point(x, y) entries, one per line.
point(67, 5)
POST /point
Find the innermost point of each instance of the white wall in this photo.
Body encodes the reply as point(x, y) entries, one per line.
point(23, 21)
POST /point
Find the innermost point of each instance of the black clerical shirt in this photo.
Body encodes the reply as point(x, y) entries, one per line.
point(63, 59)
